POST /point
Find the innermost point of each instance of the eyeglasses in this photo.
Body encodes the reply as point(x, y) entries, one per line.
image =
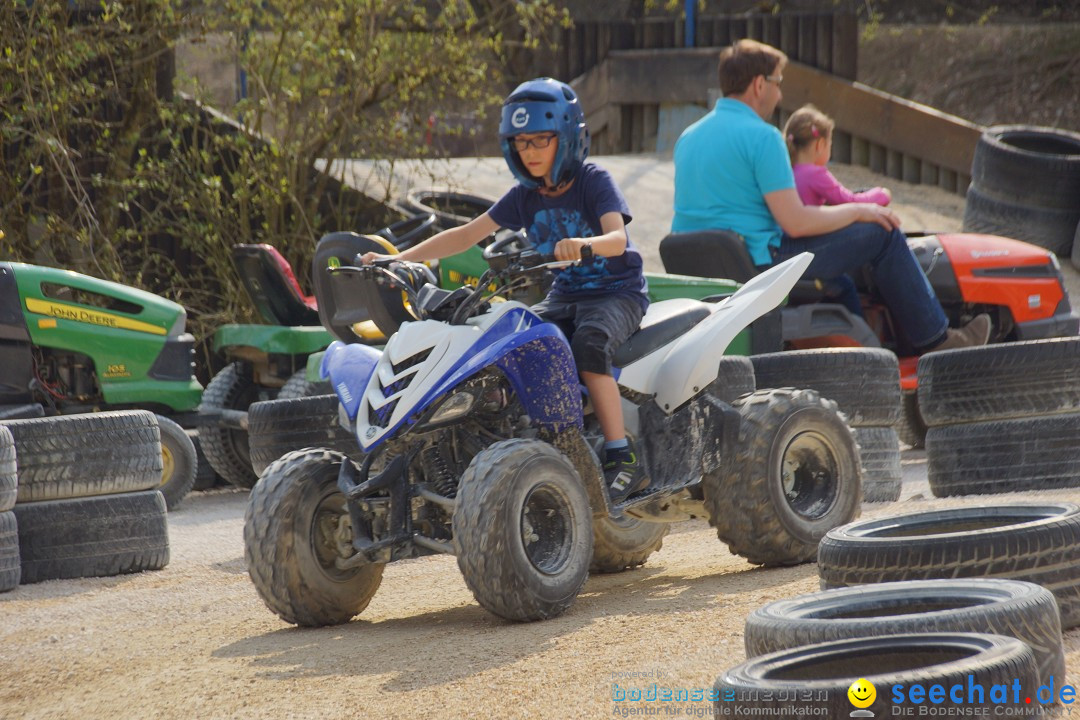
point(539, 142)
point(774, 79)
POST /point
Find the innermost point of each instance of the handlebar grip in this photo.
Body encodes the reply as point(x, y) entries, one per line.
point(587, 253)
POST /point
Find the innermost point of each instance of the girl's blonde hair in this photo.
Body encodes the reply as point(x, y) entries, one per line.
point(806, 125)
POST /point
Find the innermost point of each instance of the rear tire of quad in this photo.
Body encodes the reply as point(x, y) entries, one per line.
point(227, 448)
point(92, 536)
point(793, 477)
point(624, 543)
point(179, 463)
point(298, 386)
point(73, 456)
point(864, 382)
point(277, 427)
point(522, 530)
point(296, 526)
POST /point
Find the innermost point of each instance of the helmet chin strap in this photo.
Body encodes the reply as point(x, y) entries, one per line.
point(549, 190)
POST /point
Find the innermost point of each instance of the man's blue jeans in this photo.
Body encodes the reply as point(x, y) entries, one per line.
point(912, 303)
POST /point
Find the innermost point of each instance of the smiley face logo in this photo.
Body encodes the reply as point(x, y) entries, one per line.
point(861, 693)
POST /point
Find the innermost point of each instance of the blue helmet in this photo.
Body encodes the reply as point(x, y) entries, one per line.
point(545, 105)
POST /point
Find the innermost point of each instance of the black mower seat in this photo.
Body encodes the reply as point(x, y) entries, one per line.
point(723, 254)
point(269, 280)
point(663, 322)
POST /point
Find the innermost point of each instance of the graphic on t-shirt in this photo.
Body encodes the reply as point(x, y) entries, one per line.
point(551, 225)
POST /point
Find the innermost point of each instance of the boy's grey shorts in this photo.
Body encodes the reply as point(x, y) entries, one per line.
point(595, 326)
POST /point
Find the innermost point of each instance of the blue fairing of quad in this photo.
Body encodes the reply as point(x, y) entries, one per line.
point(535, 359)
point(349, 366)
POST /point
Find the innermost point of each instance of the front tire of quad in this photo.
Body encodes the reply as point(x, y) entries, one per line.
point(227, 448)
point(624, 543)
point(295, 527)
point(179, 462)
point(794, 476)
point(522, 530)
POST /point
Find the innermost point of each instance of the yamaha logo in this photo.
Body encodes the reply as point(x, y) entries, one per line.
point(370, 432)
point(520, 118)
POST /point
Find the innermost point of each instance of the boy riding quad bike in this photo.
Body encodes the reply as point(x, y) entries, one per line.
point(479, 445)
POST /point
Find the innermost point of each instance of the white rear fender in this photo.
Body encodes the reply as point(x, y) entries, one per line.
point(677, 373)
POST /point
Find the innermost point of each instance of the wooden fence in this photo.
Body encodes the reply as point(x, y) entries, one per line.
point(627, 90)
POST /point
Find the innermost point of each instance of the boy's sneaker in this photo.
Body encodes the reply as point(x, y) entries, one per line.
point(624, 476)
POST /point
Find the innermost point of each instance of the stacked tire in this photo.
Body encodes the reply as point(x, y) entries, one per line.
point(278, 427)
point(9, 535)
point(86, 502)
point(1025, 184)
point(1002, 418)
point(865, 384)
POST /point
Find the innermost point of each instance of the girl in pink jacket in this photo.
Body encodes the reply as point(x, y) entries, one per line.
point(808, 133)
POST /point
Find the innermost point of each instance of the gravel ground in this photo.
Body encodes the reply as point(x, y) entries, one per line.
point(195, 641)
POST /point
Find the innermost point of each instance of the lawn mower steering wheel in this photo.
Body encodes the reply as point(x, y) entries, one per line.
point(506, 249)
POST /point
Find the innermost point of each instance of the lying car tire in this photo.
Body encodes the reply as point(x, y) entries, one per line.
point(277, 427)
point(1029, 165)
point(1035, 543)
point(1016, 609)
point(1037, 453)
point(879, 456)
point(93, 536)
point(1049, 228)
point(864, 382)
point(817, 677)
point(1000, 382)
point(734, 378)
point(9, 476)
point(293, 534)
point(522, 530)
point(624, 543)
point(783, 433)
point(298, 386)
point(73, 456)
point(10, 566)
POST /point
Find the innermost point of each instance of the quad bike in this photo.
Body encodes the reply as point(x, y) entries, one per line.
point(71, 343)
point(478, 444)
point(1018, 284)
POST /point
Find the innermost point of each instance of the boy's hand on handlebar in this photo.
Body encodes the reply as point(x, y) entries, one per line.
point(570, 249)
point(371, 257)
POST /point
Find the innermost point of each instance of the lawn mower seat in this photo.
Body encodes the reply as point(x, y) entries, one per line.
point(723, 254)
point(810, 313)
point(347, 309)
point(273, 288)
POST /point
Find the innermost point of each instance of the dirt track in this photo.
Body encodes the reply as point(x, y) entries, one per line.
point(195, 641)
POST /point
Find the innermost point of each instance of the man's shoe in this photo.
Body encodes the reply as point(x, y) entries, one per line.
point(624, 477)
point(975, 333)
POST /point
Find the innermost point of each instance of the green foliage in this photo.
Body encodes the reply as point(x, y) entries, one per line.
point(105, 173)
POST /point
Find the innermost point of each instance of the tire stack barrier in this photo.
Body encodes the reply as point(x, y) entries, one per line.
point(865, 384)
point(1025, 184)
point(1002, 418)
point(277, 427)
point(86, 502)
point(9, 535)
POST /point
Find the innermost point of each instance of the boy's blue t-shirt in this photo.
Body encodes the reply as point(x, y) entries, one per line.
point(576, 213)
point(725, 164)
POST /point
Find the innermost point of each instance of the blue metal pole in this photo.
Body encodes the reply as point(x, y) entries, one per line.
point(691, 25)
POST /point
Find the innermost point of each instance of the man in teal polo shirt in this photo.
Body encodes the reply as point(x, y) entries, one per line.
point(732, 172)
